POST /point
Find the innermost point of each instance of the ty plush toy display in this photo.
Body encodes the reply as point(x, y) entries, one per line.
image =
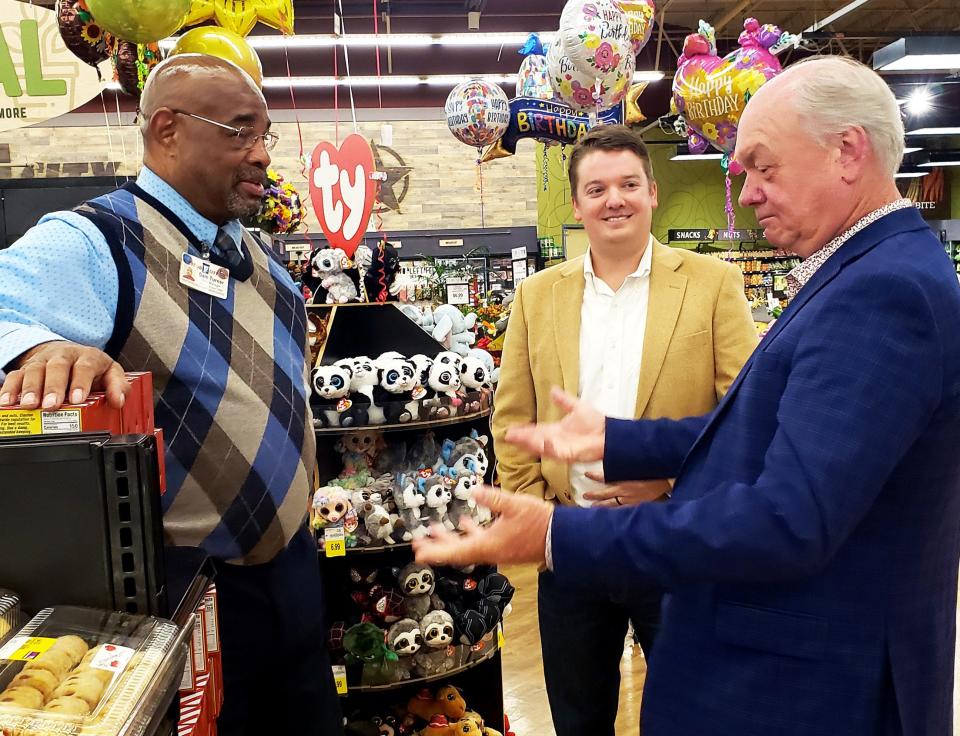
point(441, 399)
point(398, 378)
point(329, 264)
point(453, 330)
point(331, 389)
point(465, 483)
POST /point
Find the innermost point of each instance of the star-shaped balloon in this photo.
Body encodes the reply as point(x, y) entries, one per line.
point(240, 16)
point(633, 114)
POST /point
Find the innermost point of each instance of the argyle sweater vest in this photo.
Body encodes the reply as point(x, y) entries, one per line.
point(229, 381)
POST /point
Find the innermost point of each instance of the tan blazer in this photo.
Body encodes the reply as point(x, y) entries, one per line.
point(699, 334)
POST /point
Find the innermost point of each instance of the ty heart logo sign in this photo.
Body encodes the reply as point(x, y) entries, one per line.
point(342, 190)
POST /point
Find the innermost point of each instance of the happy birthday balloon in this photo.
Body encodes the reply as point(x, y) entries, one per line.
point(594, 35)
point(640, 19)
point(477, 112)
point(533, 78)
point(588, 92)
point(545, 121)
point(711, 93)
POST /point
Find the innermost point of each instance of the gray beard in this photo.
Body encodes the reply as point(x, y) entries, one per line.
point(238, 208)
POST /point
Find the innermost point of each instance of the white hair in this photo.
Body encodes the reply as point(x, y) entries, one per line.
point(836, 93)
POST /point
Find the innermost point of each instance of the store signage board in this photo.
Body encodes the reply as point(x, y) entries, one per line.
point(451, 242)
point(303, 247)
point(712, 235)
point(519, 254)
point(40, 78)
point(519, 272)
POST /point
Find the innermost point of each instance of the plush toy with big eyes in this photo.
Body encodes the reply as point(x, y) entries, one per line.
point(434, 659)
point(436, 489)
point(398, 379)
point(405, 639)
point(465, 483)
point(332, 507)
point(418, 583)
point(409, 500)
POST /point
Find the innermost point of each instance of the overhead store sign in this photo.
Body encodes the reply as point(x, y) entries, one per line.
point(712, 235)
point(39, 77)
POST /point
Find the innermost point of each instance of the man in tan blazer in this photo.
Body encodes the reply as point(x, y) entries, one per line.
point(639, 330)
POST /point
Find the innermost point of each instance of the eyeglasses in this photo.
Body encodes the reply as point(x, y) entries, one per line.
point(245, 137)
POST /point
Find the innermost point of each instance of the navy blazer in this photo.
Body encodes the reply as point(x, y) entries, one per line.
point(812, 543)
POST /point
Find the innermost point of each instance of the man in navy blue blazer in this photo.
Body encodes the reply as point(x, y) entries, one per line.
point(812, 541)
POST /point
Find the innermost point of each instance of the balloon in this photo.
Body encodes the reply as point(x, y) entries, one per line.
point(578, 90)
point(533, 79)
point(477, 112)
point(343, 191)
point(595, 35)
point(224, 44)
point(132, 64)
point(141, 21)
point(240, 16)
point(640, 19)
point(80, 32)
point(544, 120)
point(711, 92)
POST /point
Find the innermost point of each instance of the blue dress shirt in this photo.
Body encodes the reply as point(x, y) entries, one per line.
point(59, 281)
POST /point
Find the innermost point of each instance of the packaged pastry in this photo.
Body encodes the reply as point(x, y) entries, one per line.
point(78, 671)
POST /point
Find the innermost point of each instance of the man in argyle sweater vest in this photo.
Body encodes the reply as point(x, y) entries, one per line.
point(229, 371)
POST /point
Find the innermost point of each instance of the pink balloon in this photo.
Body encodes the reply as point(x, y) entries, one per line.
point(711, 92)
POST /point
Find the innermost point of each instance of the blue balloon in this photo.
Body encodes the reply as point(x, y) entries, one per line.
point(532, 46)
point(531, 117)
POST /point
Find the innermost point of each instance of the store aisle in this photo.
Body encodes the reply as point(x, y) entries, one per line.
point(525, 699)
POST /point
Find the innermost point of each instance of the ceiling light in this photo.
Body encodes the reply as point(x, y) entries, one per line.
point(935, 131)
point(910, 174)
point(393, 40)
point(912, 149)
point(919, 53)
point(696, 156)
point(934, 164)
point(920, 101)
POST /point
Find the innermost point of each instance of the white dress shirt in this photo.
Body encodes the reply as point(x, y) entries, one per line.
point(612, 326)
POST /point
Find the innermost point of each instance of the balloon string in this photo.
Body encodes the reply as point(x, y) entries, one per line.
point(303, 164)
point(123, 145)
point(346, 63)
point(480, 179)
point(731, 217)
point(113, 158)
point(382, 278)
point(336, 96)
point(376, 36)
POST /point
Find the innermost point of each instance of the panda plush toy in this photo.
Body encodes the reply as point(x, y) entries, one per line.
point(331, 401)
point(362, 383)
point(398, 379)
point(441, 399)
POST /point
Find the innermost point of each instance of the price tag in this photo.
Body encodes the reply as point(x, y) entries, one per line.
point(334, 542)
point(25, 647)
point(340, 678)
point(500, 637)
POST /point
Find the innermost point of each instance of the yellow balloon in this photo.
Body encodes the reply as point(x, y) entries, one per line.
point(221, 43)
point(240, 16)
point(140, 21)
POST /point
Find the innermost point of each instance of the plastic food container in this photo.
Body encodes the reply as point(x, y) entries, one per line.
point(88, 672)
point(9, 614)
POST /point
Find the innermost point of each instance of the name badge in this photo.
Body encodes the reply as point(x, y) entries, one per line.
point(203, 276)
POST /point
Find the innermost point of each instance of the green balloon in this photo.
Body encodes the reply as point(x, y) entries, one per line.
point(140, 21)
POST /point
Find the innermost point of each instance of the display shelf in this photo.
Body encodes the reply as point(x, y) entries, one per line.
point(420, 681)
point(459, 419)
